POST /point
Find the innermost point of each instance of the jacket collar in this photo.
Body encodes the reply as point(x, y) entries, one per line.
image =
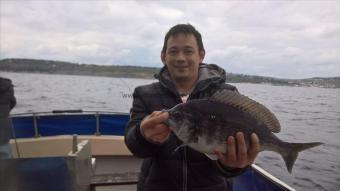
point(208, 74)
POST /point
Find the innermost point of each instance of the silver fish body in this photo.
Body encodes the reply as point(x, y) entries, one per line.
point(205, 124)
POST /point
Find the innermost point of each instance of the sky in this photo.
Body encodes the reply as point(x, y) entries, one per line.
point(284, 39)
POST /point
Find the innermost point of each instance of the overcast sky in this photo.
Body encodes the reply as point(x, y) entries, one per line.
point(286, 39)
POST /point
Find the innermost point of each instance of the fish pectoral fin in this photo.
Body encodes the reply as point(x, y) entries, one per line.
point(177, 148)
point(211, 156)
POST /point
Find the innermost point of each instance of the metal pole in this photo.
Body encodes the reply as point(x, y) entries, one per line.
point(15, 137)
point(35, 126)
point(74, 144)
point(97, 124)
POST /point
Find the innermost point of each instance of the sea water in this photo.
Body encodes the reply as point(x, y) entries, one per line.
point(306, 114)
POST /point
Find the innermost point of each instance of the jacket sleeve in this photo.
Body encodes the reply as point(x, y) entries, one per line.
point(7, 92)
point(229, 172)
point(134, 140)
point(7, 102)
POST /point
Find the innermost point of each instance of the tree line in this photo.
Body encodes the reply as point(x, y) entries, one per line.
point(59, 67)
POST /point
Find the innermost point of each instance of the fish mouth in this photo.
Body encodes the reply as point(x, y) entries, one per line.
point(171, 124)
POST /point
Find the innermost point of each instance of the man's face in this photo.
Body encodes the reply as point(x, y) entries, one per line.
point(182, 58)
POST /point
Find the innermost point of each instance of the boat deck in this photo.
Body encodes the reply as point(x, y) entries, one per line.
point(115, 173)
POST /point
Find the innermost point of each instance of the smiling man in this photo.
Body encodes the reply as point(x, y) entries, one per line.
point(183, 77)
point(182, 56)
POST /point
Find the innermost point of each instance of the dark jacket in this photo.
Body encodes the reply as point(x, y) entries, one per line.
point(7, 102)
point(163, 169)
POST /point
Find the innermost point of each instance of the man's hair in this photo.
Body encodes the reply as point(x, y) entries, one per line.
point(186, 29)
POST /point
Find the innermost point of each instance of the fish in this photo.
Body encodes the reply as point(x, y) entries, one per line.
point(205, 124)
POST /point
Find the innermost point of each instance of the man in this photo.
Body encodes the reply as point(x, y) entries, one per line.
point(7, 102)
point(183, 77)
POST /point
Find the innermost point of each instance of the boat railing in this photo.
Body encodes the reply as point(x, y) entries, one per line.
point(65, 112)
point(37, 124)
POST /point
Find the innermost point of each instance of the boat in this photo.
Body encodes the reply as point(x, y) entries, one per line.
point(40, 138)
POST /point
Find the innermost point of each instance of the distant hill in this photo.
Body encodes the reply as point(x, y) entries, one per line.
point(332, 82)
point(59, 67)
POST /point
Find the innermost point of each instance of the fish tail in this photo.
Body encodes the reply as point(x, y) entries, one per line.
point(291, 151)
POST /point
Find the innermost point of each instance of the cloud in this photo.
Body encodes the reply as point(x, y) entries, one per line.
point(260, 38)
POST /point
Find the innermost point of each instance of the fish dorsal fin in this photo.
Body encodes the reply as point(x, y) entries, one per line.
point(243, 103)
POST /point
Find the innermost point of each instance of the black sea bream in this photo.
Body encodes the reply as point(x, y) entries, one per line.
point(205, 124)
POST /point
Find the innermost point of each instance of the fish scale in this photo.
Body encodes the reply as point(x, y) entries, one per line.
point(205, 124)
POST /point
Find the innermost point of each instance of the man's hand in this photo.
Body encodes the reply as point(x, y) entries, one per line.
point(153, 127)
point(237, 155)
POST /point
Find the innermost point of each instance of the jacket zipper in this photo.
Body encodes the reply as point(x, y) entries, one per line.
point(185, 170)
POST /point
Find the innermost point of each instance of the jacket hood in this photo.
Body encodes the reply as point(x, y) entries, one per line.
point(207, 74)
point(211, 71)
